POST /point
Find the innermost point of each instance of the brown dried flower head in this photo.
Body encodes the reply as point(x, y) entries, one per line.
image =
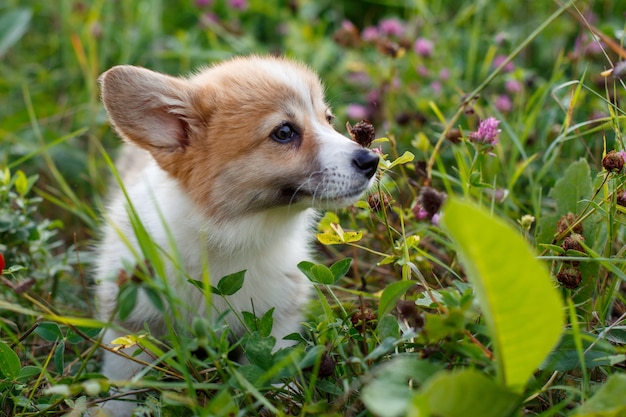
point(431, 200)
point(573, 242)
point(362, 133)
point(613, 162)
point(378, 201)
point(569, 277)
point(566, 221)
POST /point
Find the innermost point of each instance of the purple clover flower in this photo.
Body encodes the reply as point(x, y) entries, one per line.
point(513, 86)
point(497, 61)
point(487, 132)
point(391, 27)
point(370, 33)
point(238, 4)
point(423, 47)
point(356, 111)
point(503, 103)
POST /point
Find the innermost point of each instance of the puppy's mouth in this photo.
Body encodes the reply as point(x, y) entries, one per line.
point(290, 194)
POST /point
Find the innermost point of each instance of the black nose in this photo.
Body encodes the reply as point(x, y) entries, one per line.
point(365, 161)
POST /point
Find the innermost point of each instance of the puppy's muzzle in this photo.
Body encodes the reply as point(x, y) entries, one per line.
point(365, 162)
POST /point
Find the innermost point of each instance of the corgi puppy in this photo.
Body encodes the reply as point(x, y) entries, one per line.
point(226, 168)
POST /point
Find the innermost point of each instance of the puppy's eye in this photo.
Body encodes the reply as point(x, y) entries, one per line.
point(330, 118)
point(284, 133)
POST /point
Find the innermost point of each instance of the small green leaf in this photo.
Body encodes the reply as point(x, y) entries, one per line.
point(28, 372)
point(406, 157)
point(317, 273)
point(311, 356)
point(59, 359)
point(21, 183)
point(154, 298)
point(126, 300)
point(230, 284)
point(462, 394)
point(390, 296)
point(340, 268)
point(196, 283)
point(267, 322)
point(388, 327)
point(49, 331)
point(322, 274)
point(508, 281)
point(73, 337)
point(10, 365)
point(258, 350)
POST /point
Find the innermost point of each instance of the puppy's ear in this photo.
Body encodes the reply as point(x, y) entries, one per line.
point(150, 109)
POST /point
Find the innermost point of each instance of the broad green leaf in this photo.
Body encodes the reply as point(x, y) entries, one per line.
point(573, 187)
point(389, 392)
point(608, 401)
point(13, 25)
point(509, 282)
point(340, 268)
point(565, 357)
point(322, 274)
point(388, 327)
point(462, 394)
point(569, 192)
point(230, 284)
point(49, 331)
point(317, 273)
point(10, 365)
point(258, 349)
point(391, 294)
point(28, 372)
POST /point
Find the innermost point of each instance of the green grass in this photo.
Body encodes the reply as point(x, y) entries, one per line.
point(411, 327)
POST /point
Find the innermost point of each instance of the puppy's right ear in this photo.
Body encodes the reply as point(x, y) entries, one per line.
point(149, 109)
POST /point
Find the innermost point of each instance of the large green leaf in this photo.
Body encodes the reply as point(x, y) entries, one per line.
point(462, 394)
point(609, 401)
point(521, 306)
point(569, 193)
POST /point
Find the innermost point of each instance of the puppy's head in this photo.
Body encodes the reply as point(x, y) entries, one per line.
point(240, 137)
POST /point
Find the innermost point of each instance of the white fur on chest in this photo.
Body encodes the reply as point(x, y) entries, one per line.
point(268, 245)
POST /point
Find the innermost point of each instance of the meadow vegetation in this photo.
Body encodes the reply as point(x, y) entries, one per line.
point(484, 275)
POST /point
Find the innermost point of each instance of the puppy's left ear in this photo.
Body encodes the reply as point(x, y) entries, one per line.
point(149, 109)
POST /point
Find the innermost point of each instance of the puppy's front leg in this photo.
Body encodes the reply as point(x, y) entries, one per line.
point(117, 368)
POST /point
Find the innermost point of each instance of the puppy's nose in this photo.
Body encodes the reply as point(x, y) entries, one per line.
point(365, 161)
